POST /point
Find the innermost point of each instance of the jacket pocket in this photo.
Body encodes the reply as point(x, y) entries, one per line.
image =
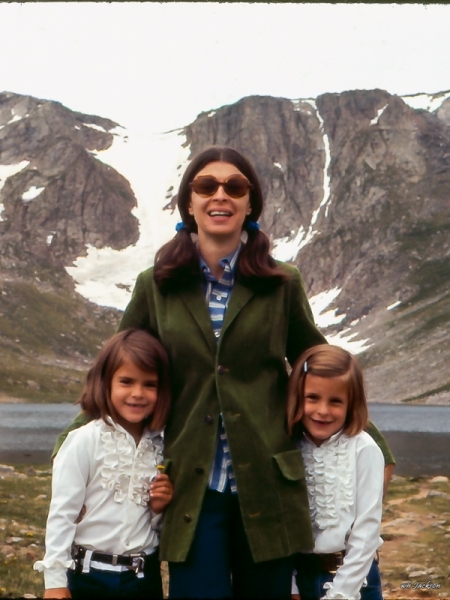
point(291, 464)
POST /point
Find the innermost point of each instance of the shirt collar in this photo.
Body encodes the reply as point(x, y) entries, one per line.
point(330, 440)
point(147, 433)
point(230, 260)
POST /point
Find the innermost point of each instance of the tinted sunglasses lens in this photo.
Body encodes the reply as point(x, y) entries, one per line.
point(205, 186)
point(236, 187)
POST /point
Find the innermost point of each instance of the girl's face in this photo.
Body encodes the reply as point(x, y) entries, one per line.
point(325, 406)
point(134, 394)
point(219, 214)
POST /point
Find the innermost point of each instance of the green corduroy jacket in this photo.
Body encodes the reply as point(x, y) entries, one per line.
point(243, 376)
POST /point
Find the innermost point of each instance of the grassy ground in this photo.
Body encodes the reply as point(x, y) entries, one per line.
point(24, 505)
point(49, 335)
point(414, 559)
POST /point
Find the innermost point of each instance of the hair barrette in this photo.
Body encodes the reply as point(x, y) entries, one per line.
point(305, 366)
point(179, 226)
point(252, 226)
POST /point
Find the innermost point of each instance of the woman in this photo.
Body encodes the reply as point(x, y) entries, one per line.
point(227, 377)
point(227, 314)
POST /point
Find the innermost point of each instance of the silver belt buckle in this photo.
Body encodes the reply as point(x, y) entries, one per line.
point(138, 564)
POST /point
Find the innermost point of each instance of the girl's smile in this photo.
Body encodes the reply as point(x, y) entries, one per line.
point(133, 396)
point(325, 406)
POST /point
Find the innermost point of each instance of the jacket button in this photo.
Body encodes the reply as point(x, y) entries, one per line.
point(187, 518)
point(199, 470)
point(221, 369)
point(209, 420)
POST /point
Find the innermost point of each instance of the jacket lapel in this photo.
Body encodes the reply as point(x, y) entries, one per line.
point(195, 302)
point(239, 298)
point(194, 299)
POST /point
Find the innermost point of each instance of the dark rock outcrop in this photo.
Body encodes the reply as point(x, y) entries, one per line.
point(81, 201)
point(381, 237)
point(59, 200)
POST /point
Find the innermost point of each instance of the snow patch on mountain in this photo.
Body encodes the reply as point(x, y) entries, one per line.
point(8, 171)
point(288, 247)
point(325, 318)
point(429, 102)
point(106, 276)
point(32, 193)
point(380, 111)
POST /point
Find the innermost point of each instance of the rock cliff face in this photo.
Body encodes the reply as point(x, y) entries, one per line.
point(63, 198)
point(56, 198)
point(357, 189)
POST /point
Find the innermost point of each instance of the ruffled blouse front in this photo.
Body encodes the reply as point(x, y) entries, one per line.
point(127, 470)
point(329, 477)
point(100, 467)
point(344, 477)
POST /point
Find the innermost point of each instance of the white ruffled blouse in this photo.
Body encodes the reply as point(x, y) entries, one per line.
point(344, 477)
point(100, 467)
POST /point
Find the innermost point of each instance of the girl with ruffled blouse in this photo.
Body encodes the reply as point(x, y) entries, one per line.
point(108, 496)
point(327, 412)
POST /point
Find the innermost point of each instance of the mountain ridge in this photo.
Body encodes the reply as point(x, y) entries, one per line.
point(356, 186)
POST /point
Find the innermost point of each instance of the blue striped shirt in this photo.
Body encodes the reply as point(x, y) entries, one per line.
point(217, 293)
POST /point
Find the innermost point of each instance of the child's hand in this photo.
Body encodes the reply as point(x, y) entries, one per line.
point(57, 593)
point(161, 492)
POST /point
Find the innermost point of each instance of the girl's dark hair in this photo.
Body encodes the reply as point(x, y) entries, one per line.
point(177, 261)
point(327, 361)
point(144, 351)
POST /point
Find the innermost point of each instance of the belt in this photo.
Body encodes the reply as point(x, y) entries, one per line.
point(84, 558)
point(325, 562)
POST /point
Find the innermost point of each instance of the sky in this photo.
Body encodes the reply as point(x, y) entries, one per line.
point(153, 67)
point(156, 66)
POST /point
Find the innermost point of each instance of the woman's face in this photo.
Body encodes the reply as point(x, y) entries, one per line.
point(220, 215)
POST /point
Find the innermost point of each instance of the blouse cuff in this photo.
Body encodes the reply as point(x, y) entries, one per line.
point(54, 572)
point(336, 594)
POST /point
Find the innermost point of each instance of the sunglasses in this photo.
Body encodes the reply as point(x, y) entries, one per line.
point(235, 186)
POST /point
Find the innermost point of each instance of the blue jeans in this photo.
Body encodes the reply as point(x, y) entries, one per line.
point(110, 585)
point(220, 563)
point(310, 582)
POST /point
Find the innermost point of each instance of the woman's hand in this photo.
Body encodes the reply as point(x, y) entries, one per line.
point(161, 492)
point(57, 593)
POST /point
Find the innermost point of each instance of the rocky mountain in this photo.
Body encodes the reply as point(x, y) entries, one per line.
point(357, 189)
point(358, 197)
point(56, 198)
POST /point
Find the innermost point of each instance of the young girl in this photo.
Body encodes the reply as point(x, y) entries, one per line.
point(107, 495)
point(327, 412)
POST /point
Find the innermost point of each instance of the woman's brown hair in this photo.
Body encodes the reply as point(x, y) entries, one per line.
point(144, 351)
point(177, 261)
point(327, 361)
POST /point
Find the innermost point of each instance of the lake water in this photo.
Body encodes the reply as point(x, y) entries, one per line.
point(419, 436)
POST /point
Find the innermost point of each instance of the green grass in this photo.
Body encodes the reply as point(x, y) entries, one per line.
point(24, 513)
point(422, 543)
point(49, 336)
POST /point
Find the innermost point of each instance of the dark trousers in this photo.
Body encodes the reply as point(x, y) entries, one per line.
point(310, 582)
point(220, 563)
point(110, 585)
